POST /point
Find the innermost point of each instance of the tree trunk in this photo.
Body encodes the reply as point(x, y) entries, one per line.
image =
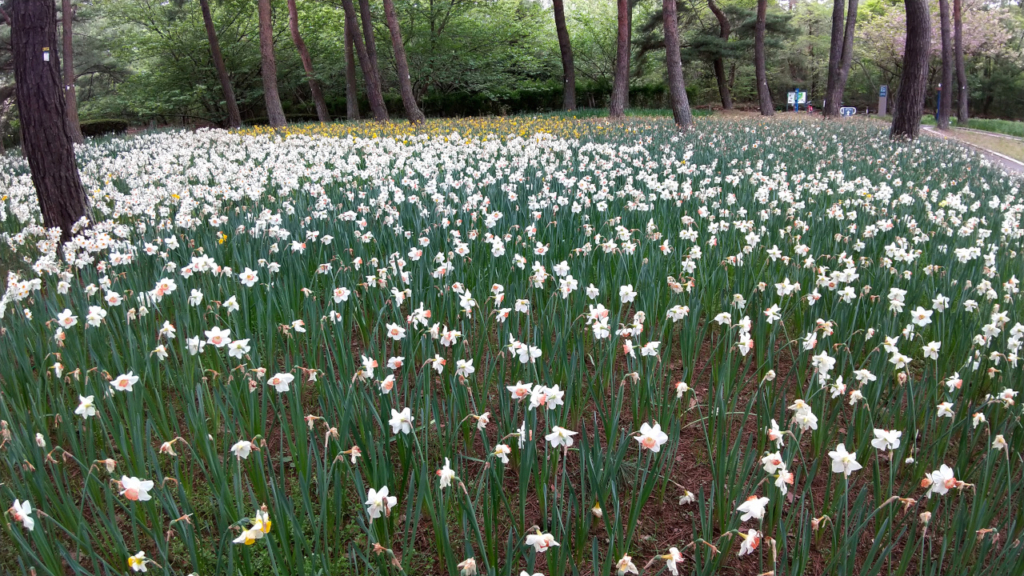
point(723, 32)
point(412, 111)
point(234, 118)
point(66, 26)
point(810, 56)
point(373, 91)
point(5, 114)
point(835, 56)
point(275, 113)
point(847, 58)
point(366, 17)
point(906, 116)
point(839, 70)
point(946, 83)
point(961, 73)
point(568, 67)
point(987, 73)
point(46, 138)
point(629, 42)
point(351, 88)
point(764, 97)
point(307, 63)
point(673, 61)
point(620, 88)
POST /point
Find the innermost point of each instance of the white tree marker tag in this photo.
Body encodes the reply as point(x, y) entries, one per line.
point(46, 54)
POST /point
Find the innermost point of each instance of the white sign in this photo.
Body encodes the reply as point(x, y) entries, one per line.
point(791, 98)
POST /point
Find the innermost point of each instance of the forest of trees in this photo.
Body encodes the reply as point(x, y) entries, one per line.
point(225, 62)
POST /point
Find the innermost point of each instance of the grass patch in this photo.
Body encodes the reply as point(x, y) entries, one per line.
point(1009, 127)
point(1012, 148)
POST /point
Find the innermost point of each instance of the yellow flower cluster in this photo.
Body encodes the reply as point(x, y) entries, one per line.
point(474, 128)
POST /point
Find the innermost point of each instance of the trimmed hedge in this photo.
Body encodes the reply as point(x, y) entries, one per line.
point(103, 127)
point(542, 98)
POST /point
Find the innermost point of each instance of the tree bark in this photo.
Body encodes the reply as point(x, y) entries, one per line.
point(961, 72)
point(275, 113)
point(673, 61)
point(66, 27)
point(946, 83)
point(412, 111)
point(847, 58)
point(5, 114)
point(629, 42)
point(46, 138)
point(366, 17)
point(351, 88)
point(835, 55)
point(373, 91)
point(764, 97)
point(568, 67)
point(234, 118)
point(906, 116)
point(840, 56)
point(724, 29)
point(307, 63)
point(620, 87)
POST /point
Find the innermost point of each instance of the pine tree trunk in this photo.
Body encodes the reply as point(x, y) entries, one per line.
point(5, 114)
point(835, 56)
point(620, 87)
point(412, 111)
point(366, 17)
point(906, 116)
point(307, 63)
point(373, 91)
point(839, 71)
point(673, 61)
point(351, 87)
point(723, 32)
point(275, 113)
point(46, 138)
point(764, 97)
point(234, 118)
point(568, 67)
point(66, 26)
point(946, 105)
point(847, 58)
point(629, 42)
point(961, 72)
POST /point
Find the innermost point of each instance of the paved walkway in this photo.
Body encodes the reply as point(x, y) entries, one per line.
point(1011, 166)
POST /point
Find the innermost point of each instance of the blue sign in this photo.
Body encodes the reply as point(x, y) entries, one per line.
point(883, 91)
point(847, 111)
